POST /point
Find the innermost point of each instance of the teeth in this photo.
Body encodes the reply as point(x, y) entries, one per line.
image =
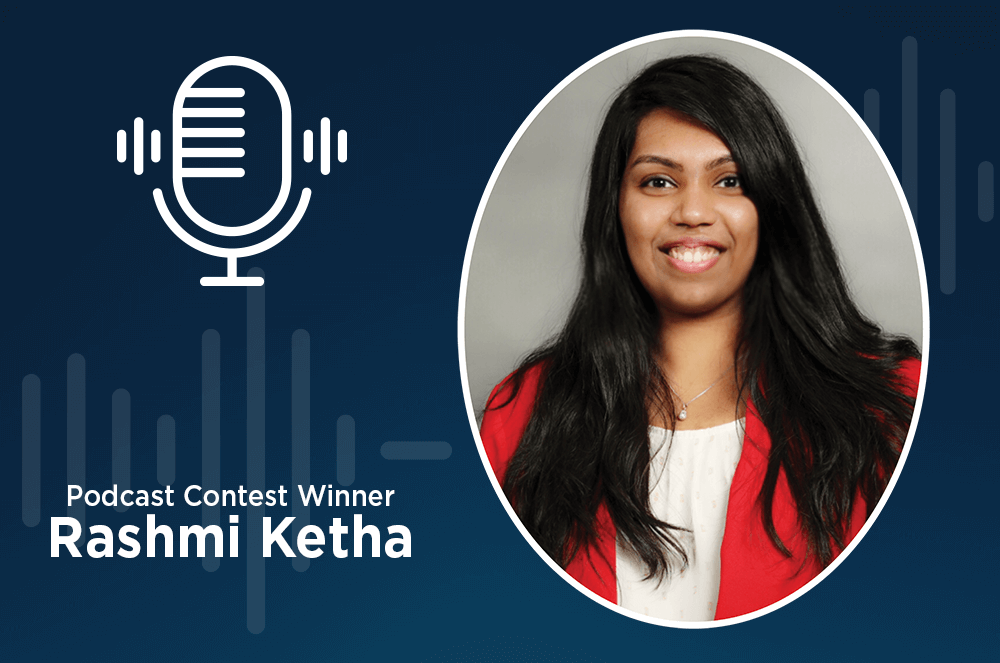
point(700, 254)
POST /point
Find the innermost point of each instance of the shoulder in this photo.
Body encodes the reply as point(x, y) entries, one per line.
point(508, 411)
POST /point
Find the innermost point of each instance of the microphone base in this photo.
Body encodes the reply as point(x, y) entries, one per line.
point(232, 280)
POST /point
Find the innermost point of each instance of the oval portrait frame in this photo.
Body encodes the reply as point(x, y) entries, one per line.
point(463, 294)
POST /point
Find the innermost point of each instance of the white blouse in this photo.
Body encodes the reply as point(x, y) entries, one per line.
point(689, 480)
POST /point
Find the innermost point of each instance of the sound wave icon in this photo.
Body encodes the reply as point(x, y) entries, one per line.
point(947, 116)
point(211, 442)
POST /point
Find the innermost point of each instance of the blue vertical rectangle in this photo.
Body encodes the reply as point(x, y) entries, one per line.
point(985, 189)
point(300, 434)
point(909, 124)
point(948, 196)
point(255, 453)
point(76, 437)
point(121, 443)
point(31, 450)
point(166, 450)
point(211, 433)
point(872, 111)
point(345, 450)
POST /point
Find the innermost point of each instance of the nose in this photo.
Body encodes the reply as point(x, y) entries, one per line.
point(695, 207)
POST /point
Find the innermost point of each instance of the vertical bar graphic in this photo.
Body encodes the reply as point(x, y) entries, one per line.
point(31, 450)
point(122, 145)
point(211, 433)
point(307, 146)
point(255, 452)
point(76, 436)
point(154, 146)
point(948, 215)
point(872, 111)
point(342, 146)
point(166, 450)
point(909, 123)
point(345, 450)
point(324, 146)
point(137, 153)
point(986, 191)
point(300, 434)
point(121, 443)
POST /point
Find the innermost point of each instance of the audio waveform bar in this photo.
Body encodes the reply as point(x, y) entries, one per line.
point(909, 123)
point(307, 146)
point(137, 160)
point(76, 436)
point(985, 207)
point(300, 434)
point(211, 432)
point(255, 451)
point(31, 450)
point(121, 443)
point(154, 146)
point(947, 187)
point(166, 450)
point(872, 111)
point(345, 450)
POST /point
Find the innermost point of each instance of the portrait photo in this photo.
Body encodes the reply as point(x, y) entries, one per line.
point(692, 329)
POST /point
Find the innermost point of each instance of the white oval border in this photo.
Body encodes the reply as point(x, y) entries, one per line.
point(463, 293)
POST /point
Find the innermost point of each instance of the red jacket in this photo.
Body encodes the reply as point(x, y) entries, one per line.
point(754, 574)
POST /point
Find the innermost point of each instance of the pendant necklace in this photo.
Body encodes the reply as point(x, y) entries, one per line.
point(684, 406)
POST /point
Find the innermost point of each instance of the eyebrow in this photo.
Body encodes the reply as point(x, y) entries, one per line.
point(663, 161)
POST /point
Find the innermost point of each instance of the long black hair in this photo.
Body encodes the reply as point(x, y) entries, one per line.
point(821, 375)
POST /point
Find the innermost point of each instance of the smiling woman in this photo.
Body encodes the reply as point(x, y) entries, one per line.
point(717, 418)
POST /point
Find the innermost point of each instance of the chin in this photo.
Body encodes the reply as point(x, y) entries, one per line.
point(696, 306)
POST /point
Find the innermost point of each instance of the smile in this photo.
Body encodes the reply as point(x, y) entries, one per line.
point(692, 260)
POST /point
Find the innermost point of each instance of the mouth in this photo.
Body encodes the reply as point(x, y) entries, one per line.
point(692, 257)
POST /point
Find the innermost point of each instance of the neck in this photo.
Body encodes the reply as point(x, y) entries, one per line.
point(695, 351)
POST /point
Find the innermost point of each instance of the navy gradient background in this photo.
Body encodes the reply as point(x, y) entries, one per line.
point(430, 98)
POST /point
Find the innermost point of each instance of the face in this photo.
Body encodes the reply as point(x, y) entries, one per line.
point(690, 231)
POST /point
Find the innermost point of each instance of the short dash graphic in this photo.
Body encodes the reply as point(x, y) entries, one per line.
point(416, 451)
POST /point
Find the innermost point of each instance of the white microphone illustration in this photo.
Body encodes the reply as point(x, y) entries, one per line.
point(185, 164)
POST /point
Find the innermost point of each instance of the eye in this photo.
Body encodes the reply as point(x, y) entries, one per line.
point(730, 182)
point(657, 182)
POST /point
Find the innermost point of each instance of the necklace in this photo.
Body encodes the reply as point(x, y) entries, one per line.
point(684, 406)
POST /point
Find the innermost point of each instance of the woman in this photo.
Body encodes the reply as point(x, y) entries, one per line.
point(717, 418)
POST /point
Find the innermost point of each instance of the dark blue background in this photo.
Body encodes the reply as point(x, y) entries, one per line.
point(430, 98)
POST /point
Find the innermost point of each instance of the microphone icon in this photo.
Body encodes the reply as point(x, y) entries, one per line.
point(186, 166)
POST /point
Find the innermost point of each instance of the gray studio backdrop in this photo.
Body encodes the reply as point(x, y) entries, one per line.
point(525, 262)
